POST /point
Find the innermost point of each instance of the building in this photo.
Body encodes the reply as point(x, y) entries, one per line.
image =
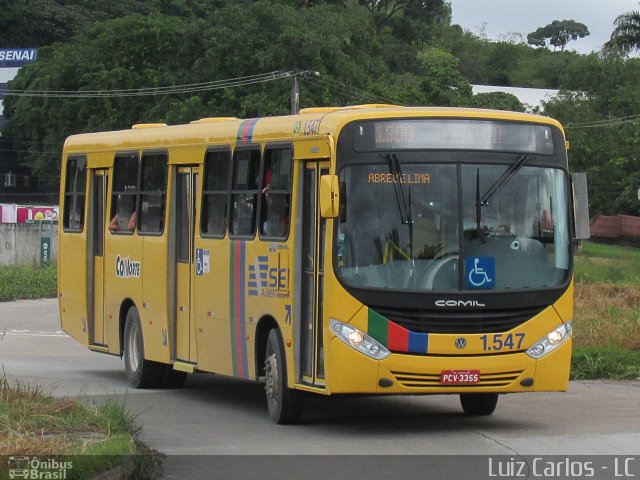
point(17, 184)
point(531, 98)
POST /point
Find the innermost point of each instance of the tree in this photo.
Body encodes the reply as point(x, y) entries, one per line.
point(599, 112)
point(441, 80)
point(156, 50)
point(497, 101)
point(383, 10)
point(626, 36)
point(558, 33)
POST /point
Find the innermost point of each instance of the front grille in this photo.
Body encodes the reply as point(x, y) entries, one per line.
point(422, 380)
point(459, 322)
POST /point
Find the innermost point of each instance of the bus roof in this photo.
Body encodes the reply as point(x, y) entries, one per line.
point(311, 121)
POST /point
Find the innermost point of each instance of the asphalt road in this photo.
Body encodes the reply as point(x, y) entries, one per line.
point(214, 415)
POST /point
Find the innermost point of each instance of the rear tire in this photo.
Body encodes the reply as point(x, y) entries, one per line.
point(284, 403)
point(478, 403)
point(141, 373)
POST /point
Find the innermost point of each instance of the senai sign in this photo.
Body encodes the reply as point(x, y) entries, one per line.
point(16, 57)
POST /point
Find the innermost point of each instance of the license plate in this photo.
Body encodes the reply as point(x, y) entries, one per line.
point(459, 377)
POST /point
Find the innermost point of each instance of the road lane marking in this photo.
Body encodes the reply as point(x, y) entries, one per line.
point(30, 333)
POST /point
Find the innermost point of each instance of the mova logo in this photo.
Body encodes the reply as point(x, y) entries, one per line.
point(459, 303)
point(127, 268)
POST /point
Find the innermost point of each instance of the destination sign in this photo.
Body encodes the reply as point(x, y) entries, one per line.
point(453, 134)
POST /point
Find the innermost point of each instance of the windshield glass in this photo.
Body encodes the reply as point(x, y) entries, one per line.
point(400, 229)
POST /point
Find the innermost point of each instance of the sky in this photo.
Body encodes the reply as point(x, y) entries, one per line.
point(499, 18)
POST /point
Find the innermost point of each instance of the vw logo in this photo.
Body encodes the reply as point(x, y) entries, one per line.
point(461, 343)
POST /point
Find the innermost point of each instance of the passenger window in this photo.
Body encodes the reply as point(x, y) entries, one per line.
point(74, 194)
point(275, 204)
point(125, 194)
point(153, 193)
point(244, 193)
point(215, 194)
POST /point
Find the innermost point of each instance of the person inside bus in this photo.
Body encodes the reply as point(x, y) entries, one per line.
point(115, 222)
point(123, 215)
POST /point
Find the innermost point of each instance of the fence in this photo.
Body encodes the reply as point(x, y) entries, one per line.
point(620, 227)
point(28, 243)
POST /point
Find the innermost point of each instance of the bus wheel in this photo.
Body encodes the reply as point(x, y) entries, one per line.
point(478, 403)
point(141, 373)
point(284, 403)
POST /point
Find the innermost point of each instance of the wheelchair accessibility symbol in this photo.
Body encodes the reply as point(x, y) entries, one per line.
point(480, 272)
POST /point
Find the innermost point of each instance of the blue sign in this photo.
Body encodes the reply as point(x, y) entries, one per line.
point(480, 272)
point(202, 261)
point(17, 57)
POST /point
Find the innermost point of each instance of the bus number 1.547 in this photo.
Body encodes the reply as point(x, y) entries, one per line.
point(500, 341)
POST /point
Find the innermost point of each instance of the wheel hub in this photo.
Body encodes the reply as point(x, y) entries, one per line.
point(271, 376)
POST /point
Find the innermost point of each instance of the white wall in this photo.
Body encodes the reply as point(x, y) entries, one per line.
point(20, 243)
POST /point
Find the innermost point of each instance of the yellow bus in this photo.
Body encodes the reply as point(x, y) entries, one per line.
point(371, 249)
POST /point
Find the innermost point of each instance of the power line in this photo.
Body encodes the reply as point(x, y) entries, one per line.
point(344, 90)
point(610, 122)
point(147, 91)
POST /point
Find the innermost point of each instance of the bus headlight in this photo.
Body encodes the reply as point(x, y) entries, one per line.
point(551, 341)
point(358, 340)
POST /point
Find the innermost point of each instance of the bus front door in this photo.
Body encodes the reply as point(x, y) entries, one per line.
point(97, 335)
point(311, 231)
point(185, 195)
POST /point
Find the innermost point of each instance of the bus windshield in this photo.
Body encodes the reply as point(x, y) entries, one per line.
point(417, 227)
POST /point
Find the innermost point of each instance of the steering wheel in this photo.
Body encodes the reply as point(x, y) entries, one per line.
point(424, 280)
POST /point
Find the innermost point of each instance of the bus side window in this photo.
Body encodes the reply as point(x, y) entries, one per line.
point(215, 193)
point(275, 204)
point(74, 194)
point(153, 193)
point(125, 194)
point(244, 193)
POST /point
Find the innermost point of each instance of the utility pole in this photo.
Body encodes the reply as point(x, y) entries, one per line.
point(295, 94)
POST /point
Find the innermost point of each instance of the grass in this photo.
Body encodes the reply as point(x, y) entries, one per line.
point(610, 362)
point(22, 282)
point(607, 312)
point(94, 438)
point(608, 264)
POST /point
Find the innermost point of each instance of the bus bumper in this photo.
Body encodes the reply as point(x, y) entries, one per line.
point(352, 372)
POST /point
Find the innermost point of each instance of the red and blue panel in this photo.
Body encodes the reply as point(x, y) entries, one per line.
point(395, 337)
point(237, 309)
point(245, 131)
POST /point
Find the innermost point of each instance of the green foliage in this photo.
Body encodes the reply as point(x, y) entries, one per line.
point(93, 438)
point(497, 101)
point(599, 263)
point(605, 362)
point(234, 40)
point(440, 79)
point(36, 23)
point(626, 36)
point(17, 283)
point(603, 86)
point(558, 33)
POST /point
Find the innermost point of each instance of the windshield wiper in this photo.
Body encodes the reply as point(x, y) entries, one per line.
point(478, 203)
point(503, 179)
point(402, 197)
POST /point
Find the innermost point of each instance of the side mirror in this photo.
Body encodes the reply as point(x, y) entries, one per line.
point(329, 196)
point(581, 205)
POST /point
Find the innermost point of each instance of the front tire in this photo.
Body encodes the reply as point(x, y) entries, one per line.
point(284, 403)
point(141, 373)
point(479, 404)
